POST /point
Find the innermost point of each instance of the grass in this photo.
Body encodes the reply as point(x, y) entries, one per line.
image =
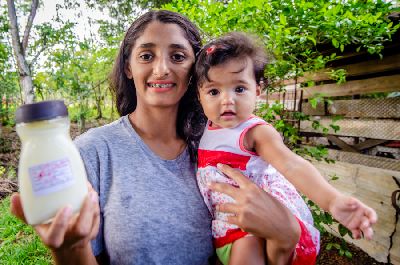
point(18, 242)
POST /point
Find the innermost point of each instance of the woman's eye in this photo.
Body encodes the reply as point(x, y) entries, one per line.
point(177, 57)
point(240, 89)
point(213, 92)
point(146, 56)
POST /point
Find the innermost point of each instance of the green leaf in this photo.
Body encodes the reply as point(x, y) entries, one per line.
point(329, 246)
point(314, 102)
point(348, 254)
point(335, 43)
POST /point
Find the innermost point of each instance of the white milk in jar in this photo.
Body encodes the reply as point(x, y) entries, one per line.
point(51, 173)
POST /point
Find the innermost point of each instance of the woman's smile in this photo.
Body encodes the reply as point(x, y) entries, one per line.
point(161, 86)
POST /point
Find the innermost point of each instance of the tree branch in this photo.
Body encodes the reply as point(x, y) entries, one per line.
point(15, 33)
point(33, 61)
point(29, 23)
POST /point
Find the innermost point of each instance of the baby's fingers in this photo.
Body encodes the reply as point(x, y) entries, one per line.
point(356, 233)
point(371, 214)
point(366, 229)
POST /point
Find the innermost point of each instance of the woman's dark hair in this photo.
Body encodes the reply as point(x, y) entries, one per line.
point(190, 120)
point(230, 46)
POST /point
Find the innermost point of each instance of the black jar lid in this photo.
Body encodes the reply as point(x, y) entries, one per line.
point(44, 110)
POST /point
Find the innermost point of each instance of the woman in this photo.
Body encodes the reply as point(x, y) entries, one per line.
point(148, 209)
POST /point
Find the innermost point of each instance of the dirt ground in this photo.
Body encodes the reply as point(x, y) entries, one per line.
point(9, 154)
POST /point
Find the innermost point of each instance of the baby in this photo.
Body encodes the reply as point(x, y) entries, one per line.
point(228, 73)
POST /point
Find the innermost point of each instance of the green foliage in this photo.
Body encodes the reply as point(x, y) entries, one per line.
point(18, 242)
point(341, 248)
point(294, 31)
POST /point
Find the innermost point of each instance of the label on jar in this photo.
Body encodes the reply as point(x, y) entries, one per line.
point(51, 176)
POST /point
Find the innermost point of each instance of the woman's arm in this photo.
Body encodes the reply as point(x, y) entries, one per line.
point(256, 212)
point(68, 236)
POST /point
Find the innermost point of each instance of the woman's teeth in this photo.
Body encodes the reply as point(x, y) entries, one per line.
point(161, 85)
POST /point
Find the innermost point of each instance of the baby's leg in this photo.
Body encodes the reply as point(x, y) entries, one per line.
point(248, 250)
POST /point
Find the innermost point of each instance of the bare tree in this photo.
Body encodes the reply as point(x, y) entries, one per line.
point(19, 48)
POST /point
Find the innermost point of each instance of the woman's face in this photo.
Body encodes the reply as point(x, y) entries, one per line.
point(159, 64)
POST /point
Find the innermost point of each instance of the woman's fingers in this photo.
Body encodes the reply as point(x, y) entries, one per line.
point(85, 220)
point(96, 225)
point(16, 207)
point(234, 174)
point(225, 188)
point(228, 208)
point(53, 234)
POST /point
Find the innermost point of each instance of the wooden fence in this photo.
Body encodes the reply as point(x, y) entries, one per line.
point(367, 146)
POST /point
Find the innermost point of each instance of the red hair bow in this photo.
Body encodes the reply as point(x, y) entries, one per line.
point(211, 49)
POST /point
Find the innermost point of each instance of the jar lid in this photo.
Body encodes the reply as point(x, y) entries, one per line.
point(44, 110)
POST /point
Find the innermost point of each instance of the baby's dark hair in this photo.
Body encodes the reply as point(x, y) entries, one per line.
point(234, 45)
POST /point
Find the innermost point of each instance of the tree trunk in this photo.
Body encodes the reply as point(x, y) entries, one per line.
point(7, 111)
point(1, 112)
point(25, 76)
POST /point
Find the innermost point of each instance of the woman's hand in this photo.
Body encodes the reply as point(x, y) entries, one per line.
point(257, 212)
point(67, 232)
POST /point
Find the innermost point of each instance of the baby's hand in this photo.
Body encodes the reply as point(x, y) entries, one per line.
point(354, 215)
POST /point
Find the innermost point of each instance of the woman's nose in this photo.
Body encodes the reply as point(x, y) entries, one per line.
point(161, 67)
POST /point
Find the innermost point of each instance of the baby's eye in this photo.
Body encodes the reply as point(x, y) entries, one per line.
point(240, 89)
point(178, 57)
point(213, 92)
point(146, 56)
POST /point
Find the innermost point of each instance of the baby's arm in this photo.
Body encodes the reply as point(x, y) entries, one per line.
point(352, 213)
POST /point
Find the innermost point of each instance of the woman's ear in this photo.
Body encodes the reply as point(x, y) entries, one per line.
point(128, 71)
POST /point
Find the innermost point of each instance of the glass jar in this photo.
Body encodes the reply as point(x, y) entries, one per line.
point(51, 173)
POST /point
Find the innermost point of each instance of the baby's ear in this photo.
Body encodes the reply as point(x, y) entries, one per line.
point(258, 90)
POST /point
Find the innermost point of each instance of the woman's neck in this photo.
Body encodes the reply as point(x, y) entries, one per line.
point(155, 122)
point(157, 128)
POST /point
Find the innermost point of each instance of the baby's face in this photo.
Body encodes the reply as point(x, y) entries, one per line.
point(229, 97)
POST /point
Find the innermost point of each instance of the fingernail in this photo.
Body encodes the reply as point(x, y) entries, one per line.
point(219, 165)
point(67, 211)
point(93, 197)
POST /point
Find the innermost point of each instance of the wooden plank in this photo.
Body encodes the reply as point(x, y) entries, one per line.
point(368, 144)
point(374, 187)
point(376, 129)
point(361, 159)
point(343, 145)
point(388, 63)
point(366, 160)
point(371, 85)
point(394, 252)
point(363, 108)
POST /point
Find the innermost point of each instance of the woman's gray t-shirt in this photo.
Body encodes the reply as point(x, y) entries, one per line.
point(151, 209)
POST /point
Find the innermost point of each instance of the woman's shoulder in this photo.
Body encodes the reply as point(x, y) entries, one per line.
point(100, 135)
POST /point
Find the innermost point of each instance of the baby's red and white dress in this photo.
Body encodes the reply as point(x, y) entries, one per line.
point(225, 145)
